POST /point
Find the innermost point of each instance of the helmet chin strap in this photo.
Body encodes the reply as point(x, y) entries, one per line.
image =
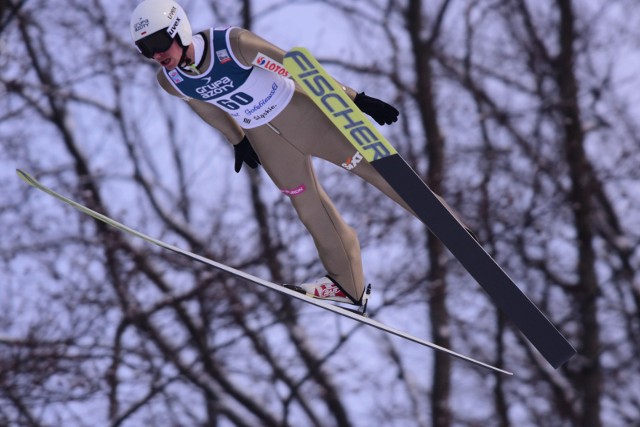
point(186, 62)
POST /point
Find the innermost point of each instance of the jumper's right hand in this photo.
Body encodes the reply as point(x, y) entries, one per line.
point(244, 152)
point(380, 111)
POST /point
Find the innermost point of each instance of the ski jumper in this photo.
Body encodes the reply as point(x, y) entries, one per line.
point(285, 129)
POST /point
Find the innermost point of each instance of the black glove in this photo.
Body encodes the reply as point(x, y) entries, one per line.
point(380, 111)
point(244, 153)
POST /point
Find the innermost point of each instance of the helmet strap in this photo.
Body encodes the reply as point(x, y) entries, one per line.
point(187, 63)
point(184, 60)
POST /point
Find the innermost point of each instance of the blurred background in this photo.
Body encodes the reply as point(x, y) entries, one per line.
point(521, 114)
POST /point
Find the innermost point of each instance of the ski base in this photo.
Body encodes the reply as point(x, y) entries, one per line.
point(253, 279)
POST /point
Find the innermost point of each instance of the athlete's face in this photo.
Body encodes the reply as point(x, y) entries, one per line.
point(170, 58)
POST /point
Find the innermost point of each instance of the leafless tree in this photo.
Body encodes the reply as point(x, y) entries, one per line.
point(520, 114)
point(154, 332)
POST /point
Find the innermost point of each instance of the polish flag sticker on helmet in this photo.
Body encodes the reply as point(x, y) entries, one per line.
point(141, 25)
point(263, 61)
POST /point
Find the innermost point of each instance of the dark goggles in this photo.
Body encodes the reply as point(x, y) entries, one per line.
point(158, 42)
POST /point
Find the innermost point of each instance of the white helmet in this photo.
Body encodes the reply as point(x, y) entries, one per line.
point(155, 23)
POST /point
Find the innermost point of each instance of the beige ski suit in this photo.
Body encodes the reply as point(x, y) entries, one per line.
point(285, 145)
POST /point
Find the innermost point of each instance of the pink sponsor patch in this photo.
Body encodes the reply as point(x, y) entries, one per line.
point(295, 191)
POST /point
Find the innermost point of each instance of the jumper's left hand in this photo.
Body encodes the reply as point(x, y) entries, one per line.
point(380, 111)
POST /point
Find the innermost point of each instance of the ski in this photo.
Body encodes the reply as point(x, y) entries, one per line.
point(351, 314)
point(368, 141)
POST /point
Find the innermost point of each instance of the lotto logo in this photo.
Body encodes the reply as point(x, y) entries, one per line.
point(263, 61)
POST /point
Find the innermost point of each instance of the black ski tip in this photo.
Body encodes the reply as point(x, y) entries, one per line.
point(561, 358)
